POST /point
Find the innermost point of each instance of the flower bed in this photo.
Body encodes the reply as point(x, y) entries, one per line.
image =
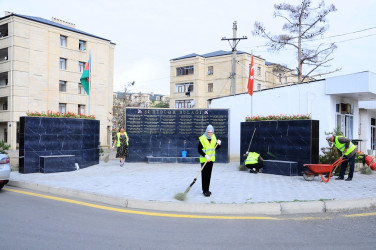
point(278, 117)
point(60, 115)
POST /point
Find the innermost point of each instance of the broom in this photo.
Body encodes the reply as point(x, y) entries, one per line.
point(183, 196)
point(243, 167)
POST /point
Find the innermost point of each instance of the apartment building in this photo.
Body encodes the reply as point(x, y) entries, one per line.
point(196, 78)
point(41, 62)
point(140, 99)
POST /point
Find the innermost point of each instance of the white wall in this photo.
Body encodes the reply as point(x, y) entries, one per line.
point(295, 99)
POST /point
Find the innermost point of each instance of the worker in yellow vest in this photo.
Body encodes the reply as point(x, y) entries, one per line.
point(253, 162)
point(121, 142)
point(348, 150)
point(206, 148)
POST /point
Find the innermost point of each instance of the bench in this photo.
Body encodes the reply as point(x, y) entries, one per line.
point(154, 159)
point(57, 163)
point(288, 168)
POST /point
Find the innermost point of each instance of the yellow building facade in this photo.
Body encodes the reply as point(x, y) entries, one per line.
point(41, 62)
point(196, 78)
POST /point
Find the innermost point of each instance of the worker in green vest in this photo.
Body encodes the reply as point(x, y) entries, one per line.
point(121, 141)
point(206, 148)
point(253, 162)
point(348, 150)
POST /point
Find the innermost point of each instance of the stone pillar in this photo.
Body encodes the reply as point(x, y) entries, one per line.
point(12, 135)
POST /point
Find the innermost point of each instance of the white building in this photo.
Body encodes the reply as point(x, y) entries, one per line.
point(348, 101)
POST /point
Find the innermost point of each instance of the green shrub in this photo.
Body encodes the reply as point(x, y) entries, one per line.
point(4, 147)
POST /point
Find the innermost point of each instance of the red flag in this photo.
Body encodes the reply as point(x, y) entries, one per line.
point(251, 78)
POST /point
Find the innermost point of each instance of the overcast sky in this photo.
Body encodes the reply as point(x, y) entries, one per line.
point(149, 33)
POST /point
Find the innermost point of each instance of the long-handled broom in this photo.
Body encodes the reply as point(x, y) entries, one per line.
point(183, 196)
point(242, 167)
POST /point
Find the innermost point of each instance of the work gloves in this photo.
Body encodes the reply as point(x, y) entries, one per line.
point(207, 157)
point(219, 142)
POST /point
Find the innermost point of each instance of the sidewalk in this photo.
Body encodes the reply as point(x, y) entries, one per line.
point(153, 186)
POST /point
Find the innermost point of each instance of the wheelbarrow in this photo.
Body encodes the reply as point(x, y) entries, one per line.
point(321, 169)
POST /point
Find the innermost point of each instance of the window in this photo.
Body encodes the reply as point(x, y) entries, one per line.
point(210, 87)
point(187, 70)
point(81, 66)
point(62, 86)
point(184, 87)
point(280, 78)
point(63, 63)
point(184, 104)
point(5, 106)
point(81, 90)
point(210, 70)
point(258, 86)
point(81, 109)
point(5, 135)
point(259, 71)
point(63, 41)
point(62, 108)
point(81, 45)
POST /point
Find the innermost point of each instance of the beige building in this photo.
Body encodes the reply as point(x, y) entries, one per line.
point(140, 99)
point(41, 62)
point(196, 78)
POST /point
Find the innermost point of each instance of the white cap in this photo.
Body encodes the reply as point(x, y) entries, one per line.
point(329, 136)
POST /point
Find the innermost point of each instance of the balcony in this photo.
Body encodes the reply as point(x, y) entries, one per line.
point(5, 42)
point(4, 91)
point(4, 116)
point(4, 63)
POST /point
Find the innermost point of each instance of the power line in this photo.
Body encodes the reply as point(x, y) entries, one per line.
point(338, 35)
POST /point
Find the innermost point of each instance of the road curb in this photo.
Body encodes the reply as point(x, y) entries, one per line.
point(273, 208)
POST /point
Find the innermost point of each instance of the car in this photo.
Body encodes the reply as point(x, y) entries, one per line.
point(4, 170)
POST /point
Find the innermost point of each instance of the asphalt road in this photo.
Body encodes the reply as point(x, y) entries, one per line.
point(29, 222)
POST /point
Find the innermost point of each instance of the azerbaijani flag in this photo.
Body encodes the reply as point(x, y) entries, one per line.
point(85, 77)
point(251, 78)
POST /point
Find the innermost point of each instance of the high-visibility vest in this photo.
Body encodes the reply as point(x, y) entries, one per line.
point(341, 146)
point(118, 139)
point(252, 158)
point(208, 147)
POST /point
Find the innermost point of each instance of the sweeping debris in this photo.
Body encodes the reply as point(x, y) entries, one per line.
point(183, 196)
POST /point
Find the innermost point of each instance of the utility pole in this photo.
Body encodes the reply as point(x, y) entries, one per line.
point(235, 42)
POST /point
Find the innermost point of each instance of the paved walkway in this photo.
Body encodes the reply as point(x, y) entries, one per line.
point(160, 182)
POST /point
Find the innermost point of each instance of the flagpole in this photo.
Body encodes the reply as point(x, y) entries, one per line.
point(89, 80)
point(252, 94)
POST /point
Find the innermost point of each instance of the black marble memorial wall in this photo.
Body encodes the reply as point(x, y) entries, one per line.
point(168, 132)
point(44, 136)
point(290, 140)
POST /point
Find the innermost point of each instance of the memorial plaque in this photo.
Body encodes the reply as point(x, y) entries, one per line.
point(46, 136)
point(168, 132)
point(290, 140)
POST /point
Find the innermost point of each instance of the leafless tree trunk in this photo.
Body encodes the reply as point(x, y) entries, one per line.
point(303, 23)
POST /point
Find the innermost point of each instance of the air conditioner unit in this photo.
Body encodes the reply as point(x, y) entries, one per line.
point(345, 108)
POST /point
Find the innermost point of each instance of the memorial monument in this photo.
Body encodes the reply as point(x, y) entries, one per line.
point(171, 135)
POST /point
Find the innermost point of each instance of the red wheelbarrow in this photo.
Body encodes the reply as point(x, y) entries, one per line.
point(319, 169)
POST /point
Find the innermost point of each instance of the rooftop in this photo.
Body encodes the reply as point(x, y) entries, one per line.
point(211, 54)
point(55, 24)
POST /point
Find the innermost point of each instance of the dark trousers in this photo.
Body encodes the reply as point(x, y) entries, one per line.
point(344, 166)
point(256, 166)
point(206, 175)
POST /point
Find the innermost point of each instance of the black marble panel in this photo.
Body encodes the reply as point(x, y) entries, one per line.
point(288, 168)
point(296, 140)
point(42, 136)
point(167, 132)
point(55, 164)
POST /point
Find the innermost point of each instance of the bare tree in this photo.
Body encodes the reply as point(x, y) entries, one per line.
point(121, 102)
point(302, 23)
